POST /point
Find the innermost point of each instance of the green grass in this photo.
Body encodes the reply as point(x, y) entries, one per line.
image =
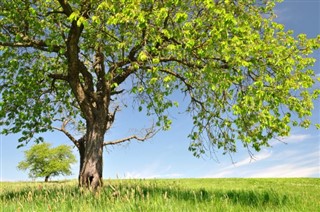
point(165, 195)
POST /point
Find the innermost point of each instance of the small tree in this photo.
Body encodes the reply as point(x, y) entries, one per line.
point(43, 161)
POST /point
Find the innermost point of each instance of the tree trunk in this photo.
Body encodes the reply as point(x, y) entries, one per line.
point(90, 149)
point(81, 148)
point(46, 179)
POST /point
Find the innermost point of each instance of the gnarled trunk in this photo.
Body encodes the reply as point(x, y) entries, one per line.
point(90, 149)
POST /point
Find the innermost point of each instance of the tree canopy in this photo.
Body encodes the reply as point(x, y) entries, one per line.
point(43, 161)
point(242, 73)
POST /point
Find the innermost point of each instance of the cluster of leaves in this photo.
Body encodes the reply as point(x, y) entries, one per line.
point(245, 76)
point(43, 161)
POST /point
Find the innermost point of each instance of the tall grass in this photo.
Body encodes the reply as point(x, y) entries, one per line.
point(165, 195)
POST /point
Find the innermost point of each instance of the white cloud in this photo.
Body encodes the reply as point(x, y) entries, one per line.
point(220, 174)
point(153, 170)
point(293, 161)
point(296, 138)
point(150, 175)
point(236, 169)
point(287, 170)
point(258, 157)
point(6, 180)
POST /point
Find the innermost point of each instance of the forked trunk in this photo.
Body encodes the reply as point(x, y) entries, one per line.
point(90, 149)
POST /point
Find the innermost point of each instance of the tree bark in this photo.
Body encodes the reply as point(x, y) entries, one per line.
point(46, 179)
point(91, 163)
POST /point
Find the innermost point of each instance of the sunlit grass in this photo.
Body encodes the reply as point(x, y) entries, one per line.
point(165, 195)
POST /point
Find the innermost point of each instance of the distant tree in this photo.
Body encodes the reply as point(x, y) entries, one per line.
point(243, 75)
point(43, 161)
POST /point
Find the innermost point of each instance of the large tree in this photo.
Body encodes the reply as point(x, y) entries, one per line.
point(43, 161)
point(243, 74)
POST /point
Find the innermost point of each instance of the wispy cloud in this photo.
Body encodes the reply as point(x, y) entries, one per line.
point(153, 170)
point(220, 174)
point(145, 175)
point(258, 157)
point(234, 169)
point(288, 170)
point(295, 138)
point(293, 161)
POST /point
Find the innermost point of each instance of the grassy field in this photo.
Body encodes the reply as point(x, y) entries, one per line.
point(165, 195)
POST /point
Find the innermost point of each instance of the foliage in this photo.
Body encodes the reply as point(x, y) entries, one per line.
point(244, 75)
point(43, 161)
point(166, 195)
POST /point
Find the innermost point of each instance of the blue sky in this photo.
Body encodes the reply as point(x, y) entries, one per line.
point(167, 156)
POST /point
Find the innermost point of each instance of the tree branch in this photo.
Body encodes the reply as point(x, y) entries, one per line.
point(189, 86)
point(58, 77)
point(149, 134)
point(54, 12)
point(183, 62)
point(41, 45)
point(184, 80)
point(88, 79)
point(111, 117)
point(63, 129)
point(123, 76)
point(66, 7)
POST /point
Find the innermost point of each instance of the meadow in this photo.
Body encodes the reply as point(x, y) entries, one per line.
point(298, 194)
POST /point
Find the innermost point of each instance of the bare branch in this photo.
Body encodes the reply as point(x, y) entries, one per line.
point(149, 134)
point(116, 92)
point(111, 117)
point(63, 129)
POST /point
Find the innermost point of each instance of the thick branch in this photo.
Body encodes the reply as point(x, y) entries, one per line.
point(41, 45)
point(111, 117)
point(130, 59)
point(58, 76)
point(99, 69)
point(88, 79)
point(124, 75)
point(66, 7)
point(54, 12)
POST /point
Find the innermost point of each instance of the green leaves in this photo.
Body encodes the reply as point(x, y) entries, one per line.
point(143, 56)
point(43, 161)
point(245, 78)
point(74, 16)
point(180, 17)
